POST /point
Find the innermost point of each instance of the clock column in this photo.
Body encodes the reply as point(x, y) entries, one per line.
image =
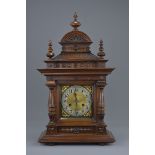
point(51, 108)
point(101, 126)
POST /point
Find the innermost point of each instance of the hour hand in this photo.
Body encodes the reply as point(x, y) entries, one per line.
point(75, 95)
point(75, 98)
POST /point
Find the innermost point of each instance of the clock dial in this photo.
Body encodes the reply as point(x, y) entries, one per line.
point(76, 102)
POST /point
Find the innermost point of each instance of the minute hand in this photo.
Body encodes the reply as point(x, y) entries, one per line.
point(75, 101)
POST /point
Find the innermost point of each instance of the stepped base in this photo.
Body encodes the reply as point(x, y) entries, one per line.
point(77, 138)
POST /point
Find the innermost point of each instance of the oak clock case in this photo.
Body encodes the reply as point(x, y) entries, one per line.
point(76, 79)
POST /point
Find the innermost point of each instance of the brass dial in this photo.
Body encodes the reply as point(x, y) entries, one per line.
point(76, 101)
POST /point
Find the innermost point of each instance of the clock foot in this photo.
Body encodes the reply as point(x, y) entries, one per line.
point(102, 144)
point(50, 144)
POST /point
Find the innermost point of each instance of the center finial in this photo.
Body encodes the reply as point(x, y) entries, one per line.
point(75, 24)
point(75, 16)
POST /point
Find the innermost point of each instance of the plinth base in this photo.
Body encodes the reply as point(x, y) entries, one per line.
point(77, 138)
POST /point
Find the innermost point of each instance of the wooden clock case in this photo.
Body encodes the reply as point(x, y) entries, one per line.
point(76, 65)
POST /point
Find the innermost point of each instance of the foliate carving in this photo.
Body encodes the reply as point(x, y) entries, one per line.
point(51, 129)
point(72, 65)
point(101, 83)
point(75, 36)
point(50, 65)
point(75, 78)
point(56, 65)
point(86, 65)
point(52, 116)
point(77, 55)
point(67, 65)
point(76, 130)
point(75, 48)
point(101, 129)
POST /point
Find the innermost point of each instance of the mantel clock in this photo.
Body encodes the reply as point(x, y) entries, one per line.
point(76, 79)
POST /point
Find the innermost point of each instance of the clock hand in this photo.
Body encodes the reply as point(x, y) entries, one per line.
point(75, 100)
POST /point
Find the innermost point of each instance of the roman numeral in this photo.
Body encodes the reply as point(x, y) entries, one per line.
point(66, 95)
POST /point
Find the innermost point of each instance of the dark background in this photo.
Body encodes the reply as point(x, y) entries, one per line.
point(106, 19)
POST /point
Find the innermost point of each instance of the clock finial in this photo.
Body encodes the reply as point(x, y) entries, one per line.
point(75, 24)
point(101, 53)
point(50, 53)
point(75, 16)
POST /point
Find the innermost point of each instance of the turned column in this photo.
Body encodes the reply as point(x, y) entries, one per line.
point(101, 104)
point(51, 107)
point(101, 126)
